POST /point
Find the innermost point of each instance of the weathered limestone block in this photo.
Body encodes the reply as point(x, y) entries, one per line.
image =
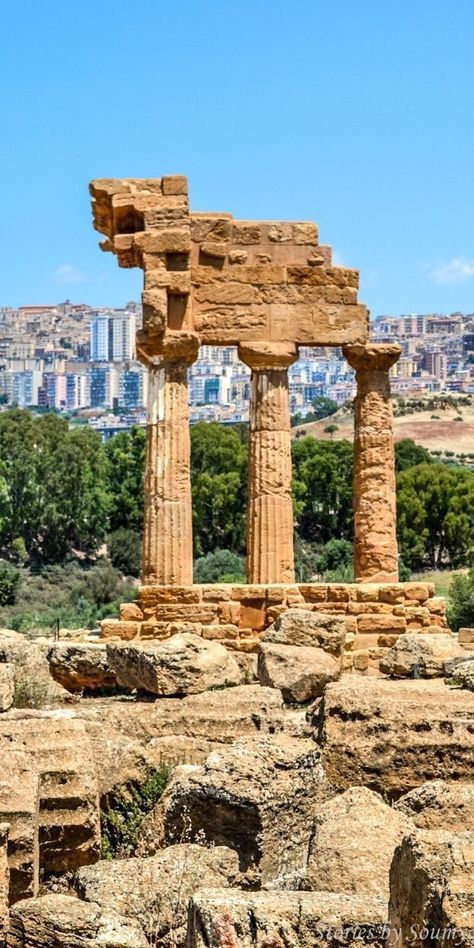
point(183, 664)
point(440, 804)
point(31, 670)
point(223, 918)
point(19, 809)
point(7, 686)
point(257, 796)
point(461, 672)
point(61, 753)
point(432, 890)
point(4, 881)
point(392, 736)
point(301, 673)
point(156, 891)
point(466, 637)
point(422, 656)
point(62, 921)
point(375, 542)
point(79, 667)
point(351, 849)
point(300, 627)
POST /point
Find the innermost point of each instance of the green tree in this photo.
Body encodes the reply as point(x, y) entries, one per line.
point(435, 515)
point(322, 489)
point(219, 487)
point(324, 407)
point(125, 471)
point(408, 454)
point(9, 580)
point(124, 547)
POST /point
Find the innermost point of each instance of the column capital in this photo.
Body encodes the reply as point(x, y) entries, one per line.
point(374, 355)
point(179, 347)
point(268, 355)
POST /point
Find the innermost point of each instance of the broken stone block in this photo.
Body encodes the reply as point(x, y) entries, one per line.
point(432, 890)
point(420, 655)
point(4, 881)
point(7, 686)
point(19, 809)
point(62, 921)
point(461, 672)
point(257, 796)
point(301, 627)
point(352, 845)
point(440, 804)
point(392, 736)
point(232, 918)
point(61, 754)
point(301, 673)
point(34, 685)
point(81, 666)
point(184, 664)
point(157, 890)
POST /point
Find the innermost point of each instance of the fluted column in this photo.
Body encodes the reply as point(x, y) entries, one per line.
point(168, 538)
point(270, 508)
point(375, 516)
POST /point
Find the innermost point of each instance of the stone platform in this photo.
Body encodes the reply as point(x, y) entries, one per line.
point(236, 615)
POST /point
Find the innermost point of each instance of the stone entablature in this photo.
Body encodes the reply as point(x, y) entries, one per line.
point(236, 615)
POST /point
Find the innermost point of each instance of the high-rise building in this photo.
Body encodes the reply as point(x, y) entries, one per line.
point(112, 337)
point(130, 391)
point(100, 338)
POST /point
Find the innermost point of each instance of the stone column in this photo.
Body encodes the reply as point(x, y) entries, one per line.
point(375, 518)
point(168, 537)
point(270, 508)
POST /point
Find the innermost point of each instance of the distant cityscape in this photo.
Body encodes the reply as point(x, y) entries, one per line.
point(81, 361)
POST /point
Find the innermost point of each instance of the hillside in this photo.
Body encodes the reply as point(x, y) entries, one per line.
point(433, 427)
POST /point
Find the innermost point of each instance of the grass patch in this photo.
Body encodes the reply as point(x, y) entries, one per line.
point(442, 579)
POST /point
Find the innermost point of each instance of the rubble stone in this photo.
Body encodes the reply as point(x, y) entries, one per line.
point(301, 673)
point(300, 627)
point(183, 664)
point(440, 804)
point(80, 666)
point(62, 921)
point(420, 656)
point(7, 686)
point(257, 796)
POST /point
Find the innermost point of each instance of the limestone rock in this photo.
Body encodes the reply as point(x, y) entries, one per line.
point(156, 891)
point(80, 666)
point(183, 664)
point(440, 804)
point(420, 656)
point(231, 918)
point(432, 888)
point(34, 686)
point(19, 809)
point(4, 881)
point(257, 796)
point(301, 673)
point(61, 754)
point(62, 921)
point(7, 686)
point(300, 627)
point(392, 736)
point(351, 849)
point(461, 673)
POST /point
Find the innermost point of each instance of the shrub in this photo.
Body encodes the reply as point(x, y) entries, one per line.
point(461, 602)
point(124, 812)
point(9, 580)
point(217, 567)
point(30, 693)
point(335, 556)
point(124, 548)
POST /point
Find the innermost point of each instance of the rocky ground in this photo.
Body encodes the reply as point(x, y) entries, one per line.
point(175, 794)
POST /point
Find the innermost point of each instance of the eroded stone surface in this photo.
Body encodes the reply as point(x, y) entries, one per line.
point(393, 736)
point(420, 656)
point(19, 809)
point(156, 891)
point(257, 796)
point(79, 666)
point(301, 673)
point(440, 804)
point(7, 686)
point(183, 664)
point(301, 627)
point(223, 918)
point(61, 921)
point(4, 881)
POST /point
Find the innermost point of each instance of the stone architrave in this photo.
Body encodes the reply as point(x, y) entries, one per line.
point(375, 540)
point(270, 510)
point(168, 535)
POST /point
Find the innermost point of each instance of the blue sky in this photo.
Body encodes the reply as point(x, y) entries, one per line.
point(355, 113)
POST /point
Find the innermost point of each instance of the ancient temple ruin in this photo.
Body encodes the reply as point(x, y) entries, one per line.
point(267, 287)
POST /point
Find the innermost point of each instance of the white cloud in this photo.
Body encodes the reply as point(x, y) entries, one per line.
point(337, 259)
point(67, 274)
point(450, 272)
